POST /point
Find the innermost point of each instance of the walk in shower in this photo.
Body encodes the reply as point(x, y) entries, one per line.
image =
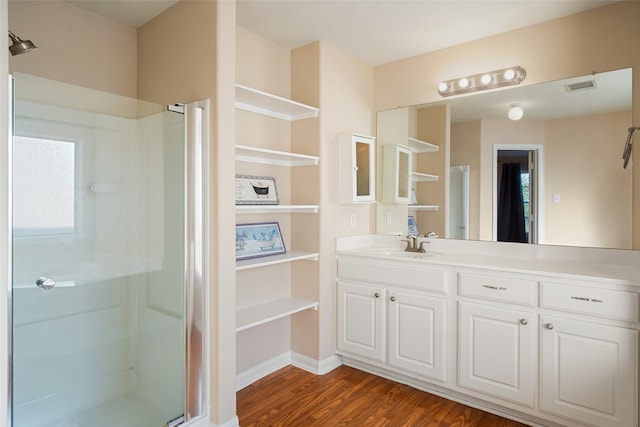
point(107, 282)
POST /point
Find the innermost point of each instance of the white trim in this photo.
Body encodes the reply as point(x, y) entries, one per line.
point(5, 244)
point(204, 422)
point(540, 185)
point(318, 367)
point(265, 368)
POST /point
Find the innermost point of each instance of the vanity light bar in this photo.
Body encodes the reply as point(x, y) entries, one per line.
point(490, 80)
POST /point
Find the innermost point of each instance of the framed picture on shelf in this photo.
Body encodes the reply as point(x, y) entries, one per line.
point(258, 240)
point(413, 227)
point(256, 190)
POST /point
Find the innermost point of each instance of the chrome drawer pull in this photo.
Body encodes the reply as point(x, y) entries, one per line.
point(524, 322)
point(496, 288)
point(587, 299)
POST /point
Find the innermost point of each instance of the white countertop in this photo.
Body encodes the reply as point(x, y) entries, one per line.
point(616, 266)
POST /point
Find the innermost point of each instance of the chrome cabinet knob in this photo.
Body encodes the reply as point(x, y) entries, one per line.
point(524, 322)
point(45, 283)
point(377, 295)
point(549, 326)
point(393, 298)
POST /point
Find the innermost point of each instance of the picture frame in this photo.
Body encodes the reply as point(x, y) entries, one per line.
point(256, 190)
point(413, 226)
point(258, 240)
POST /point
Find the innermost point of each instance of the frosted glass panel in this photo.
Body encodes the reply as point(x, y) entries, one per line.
point(44, 186)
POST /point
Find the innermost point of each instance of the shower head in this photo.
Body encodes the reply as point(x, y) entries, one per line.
point(20, 46)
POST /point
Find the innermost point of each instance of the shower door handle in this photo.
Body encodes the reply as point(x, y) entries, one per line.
point(45, 283)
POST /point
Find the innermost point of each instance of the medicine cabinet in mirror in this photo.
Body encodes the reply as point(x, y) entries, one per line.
point(577, 126)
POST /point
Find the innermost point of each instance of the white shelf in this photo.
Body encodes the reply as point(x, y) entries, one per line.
point(432, 208)
point(423, 177)
point(273, 310)
point(267, 104)
point(290, 256)
point(255, 209)
point(418, 146)
point(271, 157)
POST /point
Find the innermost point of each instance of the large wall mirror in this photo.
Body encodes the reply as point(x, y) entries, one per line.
point(555, 176)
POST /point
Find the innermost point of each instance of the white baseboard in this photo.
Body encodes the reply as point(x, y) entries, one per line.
point(317, 367)
point(265, 368)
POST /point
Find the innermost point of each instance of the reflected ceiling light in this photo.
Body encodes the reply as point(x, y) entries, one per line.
point(515, 112)
point(491, 80)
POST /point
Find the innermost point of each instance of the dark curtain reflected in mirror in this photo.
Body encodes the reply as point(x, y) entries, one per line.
point(511, 219)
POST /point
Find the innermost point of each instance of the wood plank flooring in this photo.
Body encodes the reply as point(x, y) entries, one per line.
point(346, 396)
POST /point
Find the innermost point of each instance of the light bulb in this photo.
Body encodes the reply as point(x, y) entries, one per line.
point(485, 79)
point(442, 87)
point(509, 74)
point(463, 83)
point(515, 112)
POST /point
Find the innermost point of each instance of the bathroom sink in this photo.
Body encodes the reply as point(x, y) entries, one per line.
point(399, 253)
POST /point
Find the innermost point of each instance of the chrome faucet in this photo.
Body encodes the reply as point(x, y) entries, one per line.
point(414, 244)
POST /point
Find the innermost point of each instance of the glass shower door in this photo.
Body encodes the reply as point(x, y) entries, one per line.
point(98, 295)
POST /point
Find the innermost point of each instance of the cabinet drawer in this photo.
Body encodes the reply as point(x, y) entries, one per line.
point(499, 288)
point(621, 305)
point(428, 279)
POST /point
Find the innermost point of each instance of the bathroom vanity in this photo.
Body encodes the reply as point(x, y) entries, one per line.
point(541, 334)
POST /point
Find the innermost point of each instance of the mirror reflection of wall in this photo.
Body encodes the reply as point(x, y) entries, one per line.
point(585, 196)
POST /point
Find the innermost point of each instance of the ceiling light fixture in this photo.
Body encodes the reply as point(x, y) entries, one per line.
point(515, 112)
point(491, 80)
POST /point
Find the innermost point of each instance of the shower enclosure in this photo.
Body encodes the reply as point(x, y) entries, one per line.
point(107, 282)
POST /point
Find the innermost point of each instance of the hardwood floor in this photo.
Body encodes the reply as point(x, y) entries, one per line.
point(346, 396)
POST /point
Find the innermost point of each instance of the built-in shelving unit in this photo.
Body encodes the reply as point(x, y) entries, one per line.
point(260, 102)
point(423, 177)
point(431, 208)
point(273, 106)
point(262, 313)
point(418, 146)
point(272, 157)
point(276, 259)
point(255, 209)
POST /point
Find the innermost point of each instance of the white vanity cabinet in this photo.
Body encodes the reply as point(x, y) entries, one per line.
point(356, 168)
point(398, 321)
point(589, 369)
point(536, 338)
point(361, 320)
point(497, 335)
point(497, 352)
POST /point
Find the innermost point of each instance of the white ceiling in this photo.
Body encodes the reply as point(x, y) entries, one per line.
point(376, 31)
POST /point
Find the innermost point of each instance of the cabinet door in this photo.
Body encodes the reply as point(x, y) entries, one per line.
point(589, 372)
point(361, 320)
point(496, 352)
point(417, 333)
point(396, 182)
point(356, 168)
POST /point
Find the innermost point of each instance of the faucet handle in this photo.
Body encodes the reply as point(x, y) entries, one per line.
point(431, 234)
point(422, 243)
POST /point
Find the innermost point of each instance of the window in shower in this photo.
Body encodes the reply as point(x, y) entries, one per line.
point(44, 179)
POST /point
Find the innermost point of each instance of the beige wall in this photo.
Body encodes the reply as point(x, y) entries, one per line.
point(82, 48)
point(172, 68)
point(582, 165)
point(601, 39)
